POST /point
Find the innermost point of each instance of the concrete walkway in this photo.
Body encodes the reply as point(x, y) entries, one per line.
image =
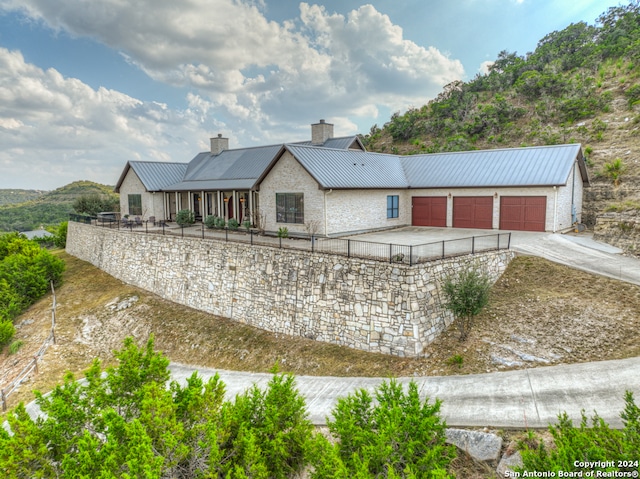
point(528, 398)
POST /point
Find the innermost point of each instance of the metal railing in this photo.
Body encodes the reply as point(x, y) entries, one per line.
point(387, 252)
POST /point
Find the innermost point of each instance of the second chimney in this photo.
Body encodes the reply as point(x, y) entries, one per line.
point(219, 144)
point(321, 132)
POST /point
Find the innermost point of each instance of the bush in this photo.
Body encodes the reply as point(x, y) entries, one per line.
point(233, 224)
point(220, 222)
point(15, 346)
point(7, 330)
point(185, 218)
point(60, 237)
point(598, 442)
point(394, 435)
point(246, 224)
point(466, 293)
point(210, 221)
point(614, 170)
point(93, 203)
point(283, 232)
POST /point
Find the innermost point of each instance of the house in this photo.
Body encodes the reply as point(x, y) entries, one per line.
point(333, 186)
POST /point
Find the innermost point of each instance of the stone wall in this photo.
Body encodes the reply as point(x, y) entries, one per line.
point(374, 306)
point(602, 194)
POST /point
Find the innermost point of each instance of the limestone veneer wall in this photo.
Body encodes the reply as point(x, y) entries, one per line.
point(374, 306)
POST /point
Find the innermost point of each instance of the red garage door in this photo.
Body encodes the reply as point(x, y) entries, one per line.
point(523, 213)
point(429, 211)
point(473, 212)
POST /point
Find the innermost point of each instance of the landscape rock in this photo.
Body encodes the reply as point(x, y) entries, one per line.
point(509, 462)
point(481, 446)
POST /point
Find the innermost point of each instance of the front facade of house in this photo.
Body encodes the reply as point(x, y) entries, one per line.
point(333, 186)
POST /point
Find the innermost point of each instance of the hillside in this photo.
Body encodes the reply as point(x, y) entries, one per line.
point(49, 208)
point(580, 85)
point(10, 196)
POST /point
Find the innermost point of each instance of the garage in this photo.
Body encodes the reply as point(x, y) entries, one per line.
point(473, 212)
point(429, 211)
point(523, 213)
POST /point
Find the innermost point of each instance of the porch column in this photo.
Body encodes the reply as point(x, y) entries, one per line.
point(178, 208)
point(203, 206)
point(234, 198)
point(251, 206)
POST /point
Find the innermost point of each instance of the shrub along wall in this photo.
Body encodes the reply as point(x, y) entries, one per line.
point(369, 305)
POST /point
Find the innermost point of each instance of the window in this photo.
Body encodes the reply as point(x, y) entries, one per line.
point(290, 207)
point(392, 206)
point(135, 205)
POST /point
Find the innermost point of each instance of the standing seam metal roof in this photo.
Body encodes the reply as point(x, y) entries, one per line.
point(156, 175)
point(532, 166)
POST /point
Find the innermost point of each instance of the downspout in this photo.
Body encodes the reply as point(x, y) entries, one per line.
point(574, 215)
point(555, 208)
point(325, 210)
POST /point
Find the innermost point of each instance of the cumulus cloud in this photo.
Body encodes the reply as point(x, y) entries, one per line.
point(261, 80)
point(250, 67)
point(59, 129)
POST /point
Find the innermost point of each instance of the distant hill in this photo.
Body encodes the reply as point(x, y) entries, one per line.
point(47, 209)
point(8, 197)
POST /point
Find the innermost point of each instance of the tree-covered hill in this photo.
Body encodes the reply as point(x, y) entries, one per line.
point(50, 208)
point(581, 84)
point(12, 196)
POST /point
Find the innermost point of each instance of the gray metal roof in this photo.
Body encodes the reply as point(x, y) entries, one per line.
point(156, 175)
point(341, 143)
point(532, 166)
point(333, 168)
point(208, 185)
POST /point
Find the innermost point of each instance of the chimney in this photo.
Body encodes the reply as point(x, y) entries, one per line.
point(219, 144)
point(321, 132)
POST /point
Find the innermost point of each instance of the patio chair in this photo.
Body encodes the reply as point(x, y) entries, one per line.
point(138, 221)
point(124, 222)
point(152, 219)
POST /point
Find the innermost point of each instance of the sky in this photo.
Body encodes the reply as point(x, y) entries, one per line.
point(87, 85)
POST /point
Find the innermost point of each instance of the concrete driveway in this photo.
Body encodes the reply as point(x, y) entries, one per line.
point(578, 251)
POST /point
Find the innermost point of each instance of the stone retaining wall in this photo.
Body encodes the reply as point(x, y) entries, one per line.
point(370, 305)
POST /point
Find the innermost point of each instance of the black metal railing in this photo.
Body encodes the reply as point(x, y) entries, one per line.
point(387, 252)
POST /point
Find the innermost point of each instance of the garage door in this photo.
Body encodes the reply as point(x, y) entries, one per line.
point(429, 211)
point(523, 213)
point(473, 212)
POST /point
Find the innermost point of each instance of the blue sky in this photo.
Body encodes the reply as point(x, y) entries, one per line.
point(86, 85)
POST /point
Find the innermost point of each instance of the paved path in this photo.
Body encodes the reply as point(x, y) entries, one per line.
point(513, 399)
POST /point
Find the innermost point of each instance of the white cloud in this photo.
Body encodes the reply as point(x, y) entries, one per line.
point(54, 130)
point(251, 67)
point(484, 67)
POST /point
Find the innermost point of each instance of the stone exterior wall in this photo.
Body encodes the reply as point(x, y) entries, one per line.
point(350, 211)
point(374, 306)
point(289, 176)
point(602, 194)
point(152, 203)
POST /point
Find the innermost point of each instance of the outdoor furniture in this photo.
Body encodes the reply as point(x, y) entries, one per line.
point(138, 221)
point(125, 222)
point(152, 219)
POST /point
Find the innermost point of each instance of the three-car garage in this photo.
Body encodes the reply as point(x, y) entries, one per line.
point(519, 213)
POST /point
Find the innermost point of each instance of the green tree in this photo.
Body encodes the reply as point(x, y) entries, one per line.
point(466, 293)
point(93, 203)
point(588, 443)
point(391, 434)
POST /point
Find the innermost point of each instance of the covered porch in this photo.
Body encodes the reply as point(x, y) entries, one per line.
point(237, 204)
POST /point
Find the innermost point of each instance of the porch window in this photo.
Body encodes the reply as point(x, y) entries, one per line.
point(392, 206)
point(135, 205)
point(290, 207)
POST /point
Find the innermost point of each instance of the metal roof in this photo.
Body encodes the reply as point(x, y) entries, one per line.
point(156, 175)
point(207, 185)
point(531, 166)
point(341, 143)
point(333, 168)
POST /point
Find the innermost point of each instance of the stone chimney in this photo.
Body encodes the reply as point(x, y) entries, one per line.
point(219, 144)
point(321, 132)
